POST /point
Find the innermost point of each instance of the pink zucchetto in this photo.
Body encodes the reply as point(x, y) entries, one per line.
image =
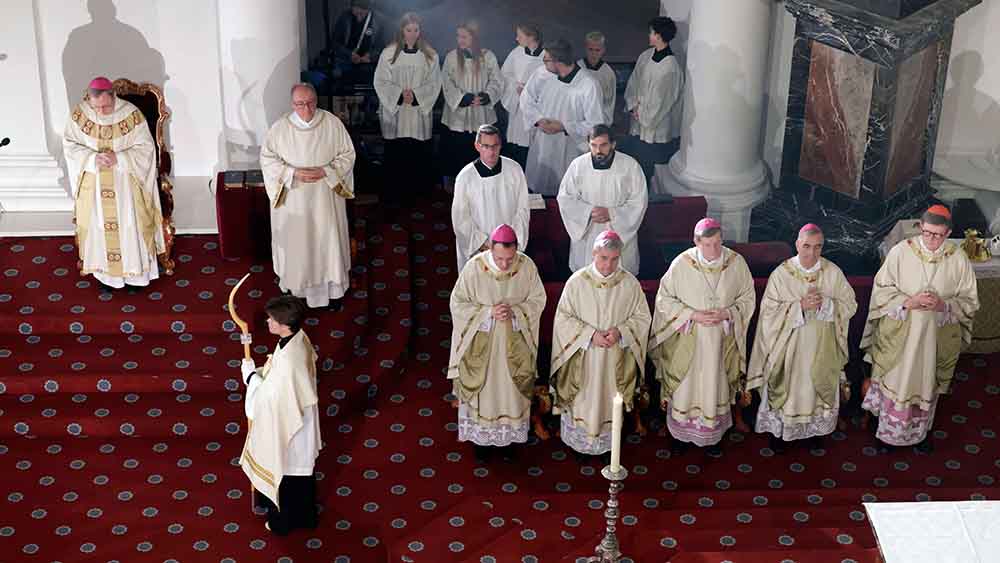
point(810, 228)
point(607, 235)
point(504, 234)
point(706, 224)
point(100, 83)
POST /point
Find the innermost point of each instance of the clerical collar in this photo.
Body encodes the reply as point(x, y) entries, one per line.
point(486, 171)
point(798, 264)
point(535, 53)
point(569, 77)
point(705, 261)
point(596, 272)
point(466, 53)
point(409, 50)
point(286, 339)
point(598, 66)
point(662, 54)
point(303, 124)
point(605, 164)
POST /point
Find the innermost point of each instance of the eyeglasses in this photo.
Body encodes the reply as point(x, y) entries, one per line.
point(932, 234)
point(304, 104)
point(546, 61)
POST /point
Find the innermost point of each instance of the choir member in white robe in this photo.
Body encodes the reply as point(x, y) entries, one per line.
point(563, 104)
point(283, 440)
point(800, 349)
point(922, 307)
point(472, 84)
point(604, 189)
point(602, 71)
point(111, 159)
point(598, 346)
point(520, 64)
point(408, 82)
point(308, 165)
point(699, 335)
point(488, 192)
point(496, 307)
point(653, 98)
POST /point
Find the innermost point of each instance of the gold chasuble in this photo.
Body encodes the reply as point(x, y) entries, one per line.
point(585, 378)
point(493, 363)
point(700, 366)
point(278, 413)
point(798, 356)
point(117, 209)
point(913, 352)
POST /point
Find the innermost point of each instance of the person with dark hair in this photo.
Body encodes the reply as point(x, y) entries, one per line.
point(923, 303)
point(283, 440)
point(488, 191)
point(408, 83)
point(653, 98)
point(699, 337)
point(562, 104)
point(599, 338)
point(603, 190)
point(800, 349)
point(519, 65)
point(472, 85)
point(496, 307)
point(357, 42)
point(596, 46)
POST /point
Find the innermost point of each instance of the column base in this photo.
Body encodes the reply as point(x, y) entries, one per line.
point(731, 200)
point(31, 183)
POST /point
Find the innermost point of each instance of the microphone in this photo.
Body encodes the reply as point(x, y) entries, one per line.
point(5, 142)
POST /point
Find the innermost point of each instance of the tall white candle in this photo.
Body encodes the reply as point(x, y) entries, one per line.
point(616, 433)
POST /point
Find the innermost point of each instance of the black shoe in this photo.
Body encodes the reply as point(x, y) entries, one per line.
point(884, 448)
point(776, 444)
point(103, 287)
point(509, 453)
point(816, 443)
point(582, 459)
point(925, 447)
point(678, 447)
point(606, 458)
point(483, 453)
point(715, 450)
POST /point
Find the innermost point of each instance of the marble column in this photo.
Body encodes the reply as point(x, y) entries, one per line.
point(30, 177)
point(724, 103)
point(259, 51)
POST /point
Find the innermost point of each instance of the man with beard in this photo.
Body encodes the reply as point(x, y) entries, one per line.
point(603, 190)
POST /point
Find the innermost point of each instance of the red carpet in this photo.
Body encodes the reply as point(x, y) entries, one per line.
point(121, 422)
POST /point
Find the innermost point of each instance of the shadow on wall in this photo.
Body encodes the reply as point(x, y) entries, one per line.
point(108, 47)
point(970, 118)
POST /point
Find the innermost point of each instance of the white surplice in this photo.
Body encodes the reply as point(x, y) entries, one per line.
point(517, 68)
point(608, 80)
point(655, 89)
point(576, 102)
point(621, 189)
point(422, 75)
point(481, 203)
point(456, 85)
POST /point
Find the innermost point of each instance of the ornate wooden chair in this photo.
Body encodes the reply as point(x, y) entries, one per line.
point(149, 99)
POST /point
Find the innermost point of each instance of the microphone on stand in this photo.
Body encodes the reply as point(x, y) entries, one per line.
point(5, 142)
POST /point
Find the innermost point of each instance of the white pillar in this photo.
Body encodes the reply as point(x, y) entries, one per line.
point(30, 177)
point(259, 53)
point(724, 104)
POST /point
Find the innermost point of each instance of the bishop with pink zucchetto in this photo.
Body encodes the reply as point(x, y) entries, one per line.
point(698, 338)
point(496, 307)
point(800, 348)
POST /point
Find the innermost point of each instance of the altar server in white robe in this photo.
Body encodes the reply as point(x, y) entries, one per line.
point(517, 68)
point(489, 191)
point(472, 84)
point(653, 98)
point(603, 189)
point(699, 335)
point(800, 348)
point(496, 307)
point(308, 164)
point(283, 441)
point(563, 104)
point(408, 82)
point(111, 159)
point(598, 346)
point(595, 43)
point(923, 304)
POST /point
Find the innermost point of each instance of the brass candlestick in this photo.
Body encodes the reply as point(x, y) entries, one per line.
point(608, 550)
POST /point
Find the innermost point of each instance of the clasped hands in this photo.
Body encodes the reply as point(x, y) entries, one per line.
point(606, 338)
point(600, 215)
point(925, 301)
point(310, 174)
point(813, 299)
point(711, 317)
point(502, 312)
point(358, 59)
point(408, 97)
point(106, 159)
point(550, 126)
